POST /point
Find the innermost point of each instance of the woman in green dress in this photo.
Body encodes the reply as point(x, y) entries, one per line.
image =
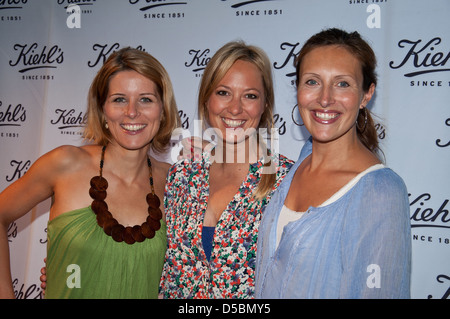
point(106, 230)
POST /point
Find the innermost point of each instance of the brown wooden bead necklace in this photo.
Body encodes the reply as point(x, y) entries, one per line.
point(110, 225)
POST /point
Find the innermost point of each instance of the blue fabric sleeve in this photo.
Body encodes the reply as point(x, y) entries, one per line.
point(377, 241)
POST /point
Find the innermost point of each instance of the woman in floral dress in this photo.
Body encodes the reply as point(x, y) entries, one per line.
point(214, 204)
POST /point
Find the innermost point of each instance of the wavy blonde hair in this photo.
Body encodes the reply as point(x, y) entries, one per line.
point(214, 72)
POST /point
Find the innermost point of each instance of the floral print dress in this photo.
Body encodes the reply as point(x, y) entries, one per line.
point(230, 272)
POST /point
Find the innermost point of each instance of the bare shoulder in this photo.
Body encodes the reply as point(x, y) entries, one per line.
point(69, 158)
point(68, 151)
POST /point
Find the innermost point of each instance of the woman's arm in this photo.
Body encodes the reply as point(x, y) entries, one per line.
point(377, 249)
point(16, 200)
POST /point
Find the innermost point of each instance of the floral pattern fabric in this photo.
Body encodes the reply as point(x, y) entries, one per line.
point(230, 273)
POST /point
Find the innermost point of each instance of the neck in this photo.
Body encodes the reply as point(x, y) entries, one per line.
point(127, 164)
point(335, 153)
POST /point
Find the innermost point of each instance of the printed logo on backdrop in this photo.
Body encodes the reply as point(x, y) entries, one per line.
point(102, 52)
point(440, 142)
point(197, 60)
point(428, 215)
point(423, 62)
point(85, 6)
point(75, 9)
point(12, 117)
point(22, 292)
point(430, 222)
point(285, 64)
point(289, 52)
point(160, 9)
point(254, 8)
point(10, 10)
point(69, 121)
point(373, 11)
point(445, 280)
point(35, 61)
point(184, 119)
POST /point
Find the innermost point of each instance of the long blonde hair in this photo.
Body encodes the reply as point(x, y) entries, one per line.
point(216, 69)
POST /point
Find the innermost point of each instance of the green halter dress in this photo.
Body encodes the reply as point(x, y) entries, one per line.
point(84, 262)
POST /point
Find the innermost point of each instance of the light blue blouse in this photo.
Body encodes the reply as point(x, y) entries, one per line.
point(356, 247)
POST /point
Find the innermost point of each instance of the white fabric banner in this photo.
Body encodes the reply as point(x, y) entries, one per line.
point(50, 53)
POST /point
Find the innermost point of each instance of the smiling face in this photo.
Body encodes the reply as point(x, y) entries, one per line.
point(132, 109)
point(330, 92)
point(237, 102)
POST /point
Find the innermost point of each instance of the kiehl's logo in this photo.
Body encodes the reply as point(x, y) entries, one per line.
point(32, 57)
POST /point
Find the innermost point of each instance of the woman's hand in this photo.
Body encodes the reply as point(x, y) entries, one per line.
point(193, 147)
point(43, 277)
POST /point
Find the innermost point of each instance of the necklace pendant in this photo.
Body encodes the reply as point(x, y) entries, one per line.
point(99, 183)
point(153, 200)
point(110, 225)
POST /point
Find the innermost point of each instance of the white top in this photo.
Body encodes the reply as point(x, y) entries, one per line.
point(288, 215)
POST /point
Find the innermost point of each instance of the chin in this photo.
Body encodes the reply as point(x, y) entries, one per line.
point(134, 145)
point(240, 135)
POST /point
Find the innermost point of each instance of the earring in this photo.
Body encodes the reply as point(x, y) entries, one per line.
point(361, 130)
point(293, 118)
point(106, 125)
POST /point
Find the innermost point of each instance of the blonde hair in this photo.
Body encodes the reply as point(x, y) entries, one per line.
point(123, 60)
point(216, 69)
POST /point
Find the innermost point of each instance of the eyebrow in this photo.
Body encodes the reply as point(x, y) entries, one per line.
point(123, 94)
point(336, 76)
point(229, 88)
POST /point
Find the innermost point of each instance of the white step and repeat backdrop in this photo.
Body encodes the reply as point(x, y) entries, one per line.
point(49, 55)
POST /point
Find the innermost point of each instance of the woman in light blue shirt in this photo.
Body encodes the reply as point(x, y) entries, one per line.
point(338, 225)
